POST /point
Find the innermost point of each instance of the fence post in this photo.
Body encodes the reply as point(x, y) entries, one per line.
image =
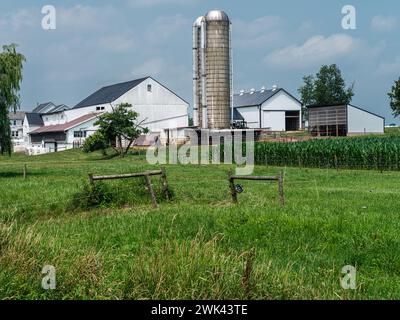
point(233, 189)
point(91, 181)
point(150, 187)
point(280, 189)
point(24, 172)
point(165, 184)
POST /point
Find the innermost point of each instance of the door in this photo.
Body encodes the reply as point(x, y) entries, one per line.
point(274, 120)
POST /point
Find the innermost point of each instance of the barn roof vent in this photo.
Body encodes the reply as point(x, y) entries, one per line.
point(252, 90)
point(274, 87)
point(263, 88)
point(241, 92)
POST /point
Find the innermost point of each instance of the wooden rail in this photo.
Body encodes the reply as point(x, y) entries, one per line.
point(147, 175)
point(278, 178)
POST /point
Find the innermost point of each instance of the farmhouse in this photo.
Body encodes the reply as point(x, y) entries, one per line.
point(66, 135)
point(274, 110)
point(343, 120)
point(16, 126)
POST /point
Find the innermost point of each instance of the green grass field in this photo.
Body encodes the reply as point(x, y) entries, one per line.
point(199, 245)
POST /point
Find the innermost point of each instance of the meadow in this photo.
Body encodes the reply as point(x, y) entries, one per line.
point(199, 245)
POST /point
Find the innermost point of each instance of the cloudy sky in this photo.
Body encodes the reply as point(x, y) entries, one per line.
point(100, 42)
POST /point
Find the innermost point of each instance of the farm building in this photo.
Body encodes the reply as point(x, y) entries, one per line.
point(16, 126)
point(274, 110)
point(343, 120)
point(54, 128)
point(159, 108)
point(62, 136)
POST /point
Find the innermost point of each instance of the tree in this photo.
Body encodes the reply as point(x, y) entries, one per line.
point(120, 126)
point(394, 96)
point(307, 94)
point(10, 79)
point(326, 88)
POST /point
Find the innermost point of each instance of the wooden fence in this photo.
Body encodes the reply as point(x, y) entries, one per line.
point(278, 178)
point(146, 175)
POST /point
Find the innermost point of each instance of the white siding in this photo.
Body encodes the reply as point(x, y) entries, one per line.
point(251, 115)
point(54, 118)
point(87, 126)
point(160, 108)
point(280, 102)
point(360, 121)
point(274, 120)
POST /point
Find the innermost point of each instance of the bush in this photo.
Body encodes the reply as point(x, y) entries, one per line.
point(95, 142)
point(92, 196)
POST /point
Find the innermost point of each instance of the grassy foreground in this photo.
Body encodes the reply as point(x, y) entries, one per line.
point(199, 246)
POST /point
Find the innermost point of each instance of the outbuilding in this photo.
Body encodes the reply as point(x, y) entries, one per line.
point(343, 120)
point(273, 110)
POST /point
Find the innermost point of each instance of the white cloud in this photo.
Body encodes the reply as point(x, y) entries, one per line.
point(257, 33)
point(24, 18)
point(153, 67)
point(177, 75)
point(383, 23)
point(389, 67)
point(316, 50)
point(83, 17)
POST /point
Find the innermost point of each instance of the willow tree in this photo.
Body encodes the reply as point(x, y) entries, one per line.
point(10, 79)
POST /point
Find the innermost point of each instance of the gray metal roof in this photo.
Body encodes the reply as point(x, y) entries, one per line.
point(109, 93)
point(61, 107)
point(41, 108)
point(255, 99)
point(34, 119)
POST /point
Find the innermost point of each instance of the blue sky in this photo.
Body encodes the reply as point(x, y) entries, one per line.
point(274, 42)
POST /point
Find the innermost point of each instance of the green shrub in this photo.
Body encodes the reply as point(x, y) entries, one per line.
point(95, 142)
point(92, 196)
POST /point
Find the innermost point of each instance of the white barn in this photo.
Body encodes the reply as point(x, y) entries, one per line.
point(158, 107)
point(274, 110)
point(343, 120)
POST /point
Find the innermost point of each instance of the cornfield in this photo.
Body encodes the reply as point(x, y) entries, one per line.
point(381, 153)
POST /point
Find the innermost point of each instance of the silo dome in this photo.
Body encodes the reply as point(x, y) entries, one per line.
point(217, 15)
point(198, 21)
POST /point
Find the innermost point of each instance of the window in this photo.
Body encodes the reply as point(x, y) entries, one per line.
point(149, 88)
point(80, 134)
point(100, 108)
point(15, 122)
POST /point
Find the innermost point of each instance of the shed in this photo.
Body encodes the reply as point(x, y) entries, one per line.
point(343, 120)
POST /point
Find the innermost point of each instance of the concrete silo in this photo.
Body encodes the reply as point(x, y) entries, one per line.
point(213, 65)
